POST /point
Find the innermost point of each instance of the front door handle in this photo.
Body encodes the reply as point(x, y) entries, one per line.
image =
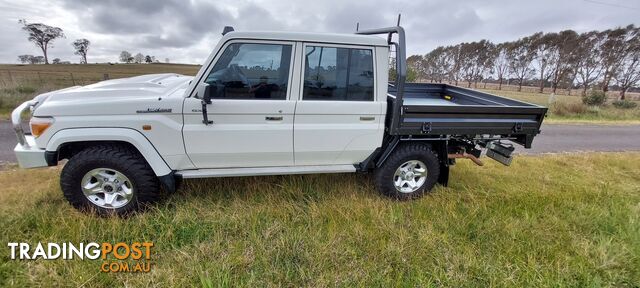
point(273, 118)
point(367, 118)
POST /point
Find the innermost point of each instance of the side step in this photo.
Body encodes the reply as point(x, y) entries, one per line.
point(263, 171)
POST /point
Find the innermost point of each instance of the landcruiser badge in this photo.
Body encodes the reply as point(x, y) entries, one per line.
point(155, 110)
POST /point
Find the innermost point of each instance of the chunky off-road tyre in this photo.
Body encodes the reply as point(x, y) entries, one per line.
point(410, 171)
point(109, 179)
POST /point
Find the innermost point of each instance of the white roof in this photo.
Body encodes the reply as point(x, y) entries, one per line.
point(309, 37)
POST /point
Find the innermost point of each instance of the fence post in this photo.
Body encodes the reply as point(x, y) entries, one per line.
point(105, 76)
point(40, 77)
point(10, 78)
point(72, 79)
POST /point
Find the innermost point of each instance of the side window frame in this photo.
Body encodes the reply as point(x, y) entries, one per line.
point(219, 53)
point(303, 64)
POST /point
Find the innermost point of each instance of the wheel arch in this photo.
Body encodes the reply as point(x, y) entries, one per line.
point(65, 143)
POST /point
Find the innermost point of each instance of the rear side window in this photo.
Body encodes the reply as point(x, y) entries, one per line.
point(251, 71)
point(338, 74)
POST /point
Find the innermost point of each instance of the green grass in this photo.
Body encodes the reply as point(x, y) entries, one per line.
point(555, 220)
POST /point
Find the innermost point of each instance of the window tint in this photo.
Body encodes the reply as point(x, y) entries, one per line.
point(338, 74)
point(251, 71)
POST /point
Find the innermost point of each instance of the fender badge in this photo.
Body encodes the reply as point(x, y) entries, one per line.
point(155, 110)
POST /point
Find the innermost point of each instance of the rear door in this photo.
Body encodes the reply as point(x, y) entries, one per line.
point(252, 113)
point(337, 120)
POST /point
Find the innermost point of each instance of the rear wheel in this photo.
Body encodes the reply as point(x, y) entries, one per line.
point(410, 171)
point(109, 179)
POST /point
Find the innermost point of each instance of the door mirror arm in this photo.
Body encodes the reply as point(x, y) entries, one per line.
point(204, 92)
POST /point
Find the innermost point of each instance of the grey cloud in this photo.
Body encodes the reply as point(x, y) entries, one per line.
point(185, 31)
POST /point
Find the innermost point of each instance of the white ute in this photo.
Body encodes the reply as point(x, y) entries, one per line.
point(264, 103)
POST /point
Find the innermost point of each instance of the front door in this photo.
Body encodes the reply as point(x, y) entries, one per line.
point(251, 111)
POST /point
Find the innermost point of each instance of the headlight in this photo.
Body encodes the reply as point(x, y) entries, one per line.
point(39, 125)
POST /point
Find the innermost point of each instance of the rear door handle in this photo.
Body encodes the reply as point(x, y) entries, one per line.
point(367, 118)
point(273, 118)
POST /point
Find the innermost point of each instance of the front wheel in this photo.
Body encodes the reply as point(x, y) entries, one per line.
point(109, 179)
point(410, 171)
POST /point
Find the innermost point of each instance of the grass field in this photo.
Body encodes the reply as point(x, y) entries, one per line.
point(557, 220)
point(569, 109)
point(21, 82)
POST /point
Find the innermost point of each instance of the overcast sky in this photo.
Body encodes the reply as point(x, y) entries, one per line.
point(185, 33)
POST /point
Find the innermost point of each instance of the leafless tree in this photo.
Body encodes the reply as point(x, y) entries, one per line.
point(42, 35)
point(82, 47)
point(138, 58)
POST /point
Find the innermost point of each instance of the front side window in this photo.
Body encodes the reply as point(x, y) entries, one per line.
point(338, 74)
point(251, 71)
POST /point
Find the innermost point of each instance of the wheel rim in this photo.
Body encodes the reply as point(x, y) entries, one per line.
point(410, 176)
point(107, 188)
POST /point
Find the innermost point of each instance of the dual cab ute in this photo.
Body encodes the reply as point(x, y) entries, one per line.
point(268, 103)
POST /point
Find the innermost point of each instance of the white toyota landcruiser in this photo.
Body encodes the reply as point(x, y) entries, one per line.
point(267, 103)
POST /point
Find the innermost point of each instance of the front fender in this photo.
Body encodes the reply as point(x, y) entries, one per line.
point(131, 136)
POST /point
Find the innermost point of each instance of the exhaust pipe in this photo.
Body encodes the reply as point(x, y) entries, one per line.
point(466, 156)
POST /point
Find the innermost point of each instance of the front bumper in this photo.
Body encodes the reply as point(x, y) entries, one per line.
point(30, 156)
point(27, 152)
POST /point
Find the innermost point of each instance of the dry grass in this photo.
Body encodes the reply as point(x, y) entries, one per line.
point(21, 82)
point(556, 220)
point(569, 109)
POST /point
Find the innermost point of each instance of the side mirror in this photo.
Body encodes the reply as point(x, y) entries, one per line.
point(204, 92)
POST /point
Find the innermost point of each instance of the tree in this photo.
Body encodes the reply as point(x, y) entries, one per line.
point(166, 60)
point(438, 63)
point(417, 64)
point(520, 55)
point(56, 61)
point(614, 48)
point(82, 47)
point(138, 58)
point(566, 44)
point(628, 72)
point(547, 53)
point(589, 59)
point(148, 59)
point(501, 62)
point(38, 60)
point(475, 59)
point(454, 59)
point(125, 57)
point(24, 59)
point(42, 35)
